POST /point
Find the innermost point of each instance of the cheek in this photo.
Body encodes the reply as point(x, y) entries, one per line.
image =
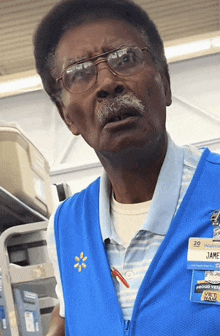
point(66, 97)
point(160, 85)
point(155, 93)
point(153, 97)
point(148, 87)
point(65, 107)
point(72, 109)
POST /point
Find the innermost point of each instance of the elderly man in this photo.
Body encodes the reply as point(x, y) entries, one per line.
point(119, 247)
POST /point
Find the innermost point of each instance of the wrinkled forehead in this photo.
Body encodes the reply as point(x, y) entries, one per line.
point(95, 37)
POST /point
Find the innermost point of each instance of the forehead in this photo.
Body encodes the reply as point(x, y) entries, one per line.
point(90, 39)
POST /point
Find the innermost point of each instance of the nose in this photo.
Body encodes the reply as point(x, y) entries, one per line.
point(108, 83)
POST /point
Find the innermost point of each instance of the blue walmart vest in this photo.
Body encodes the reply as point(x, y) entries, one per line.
point(162, 306)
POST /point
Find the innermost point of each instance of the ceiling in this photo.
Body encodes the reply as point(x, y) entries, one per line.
point(176, 20)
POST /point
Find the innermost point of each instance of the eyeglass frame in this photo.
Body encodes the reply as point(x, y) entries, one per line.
point(96, 63)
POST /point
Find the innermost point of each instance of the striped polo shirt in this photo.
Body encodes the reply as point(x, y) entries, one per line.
point(133, 261)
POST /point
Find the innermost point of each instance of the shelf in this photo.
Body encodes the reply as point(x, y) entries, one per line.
point(30, 273)
point(15, 212)
point(37, 278)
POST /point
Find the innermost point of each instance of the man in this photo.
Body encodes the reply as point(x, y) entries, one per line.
point(120, 247)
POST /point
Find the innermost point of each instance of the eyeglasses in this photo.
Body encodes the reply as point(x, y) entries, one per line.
point(81, 76)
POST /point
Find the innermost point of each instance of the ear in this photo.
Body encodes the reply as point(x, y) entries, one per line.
point(167, 88)
point(70, 124)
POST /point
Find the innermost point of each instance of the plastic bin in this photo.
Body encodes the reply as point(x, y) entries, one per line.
point(24, 172)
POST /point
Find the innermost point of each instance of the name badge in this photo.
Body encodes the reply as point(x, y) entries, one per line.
point(203, 254)
point(204, 259)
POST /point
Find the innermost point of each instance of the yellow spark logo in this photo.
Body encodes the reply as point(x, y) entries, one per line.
point(80, 262)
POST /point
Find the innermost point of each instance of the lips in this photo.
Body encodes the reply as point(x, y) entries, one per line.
point(120, 110)
point(121, 115)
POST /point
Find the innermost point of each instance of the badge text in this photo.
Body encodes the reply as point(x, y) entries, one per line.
point(213, 255)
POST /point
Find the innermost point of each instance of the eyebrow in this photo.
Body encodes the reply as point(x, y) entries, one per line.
point(71, 61)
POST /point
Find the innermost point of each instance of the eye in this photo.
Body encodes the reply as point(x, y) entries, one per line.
point(78, 73)
point(124, 59)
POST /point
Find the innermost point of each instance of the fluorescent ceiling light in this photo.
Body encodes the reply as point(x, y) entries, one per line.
point(20, 85)
point(188, 48)
point(192, 48)
point(215, 42)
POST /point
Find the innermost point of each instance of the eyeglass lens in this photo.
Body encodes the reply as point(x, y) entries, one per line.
point(81, 77)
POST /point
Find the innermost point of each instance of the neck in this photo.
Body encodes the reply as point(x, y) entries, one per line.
point(134, 172)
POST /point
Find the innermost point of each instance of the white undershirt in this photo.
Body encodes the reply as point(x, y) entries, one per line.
point(128, 219)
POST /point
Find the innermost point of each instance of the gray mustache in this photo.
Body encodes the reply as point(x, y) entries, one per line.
point(110, 106)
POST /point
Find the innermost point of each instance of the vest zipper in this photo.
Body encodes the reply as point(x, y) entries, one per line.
point(127, 325)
